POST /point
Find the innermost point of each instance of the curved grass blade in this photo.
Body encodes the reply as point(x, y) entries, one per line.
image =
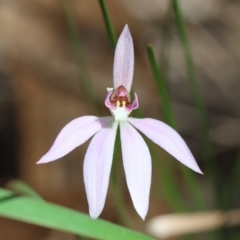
point(21, 187)
point(35, 211)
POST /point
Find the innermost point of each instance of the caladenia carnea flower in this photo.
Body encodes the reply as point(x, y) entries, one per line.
point(135, 153)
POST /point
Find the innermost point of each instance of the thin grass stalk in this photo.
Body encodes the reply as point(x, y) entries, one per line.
point(167, 110)
point(194, 86)
point(191, 180)
point(207, 149)
point(165, 46)
point(109, 26)
point(170, 190)
point(84, 77)
point(167, 187)
point(232, 185)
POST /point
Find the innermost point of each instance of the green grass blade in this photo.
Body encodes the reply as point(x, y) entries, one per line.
point(75, 39)
point(206, 145)
point(188, 56)
point(167, 111)
point(34, 211)
point(109, 27)
point(232, 185)
point(167, 185)
point(195, 90)
point(21, 187)
point(191, 180)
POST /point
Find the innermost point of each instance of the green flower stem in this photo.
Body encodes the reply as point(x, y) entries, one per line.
point(75, 39)
point(110, 31)
point(41, 213)
point(116, 184)
point(191, 180)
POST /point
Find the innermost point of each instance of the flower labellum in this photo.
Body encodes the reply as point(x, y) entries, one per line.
point(135, 153)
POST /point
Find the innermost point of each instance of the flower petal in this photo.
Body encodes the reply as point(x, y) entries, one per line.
point(137, 165)
point(108, 103)
point(74, 134)
point(167, 138)
point(97, 166)
point(134, 104)
point(124, 60)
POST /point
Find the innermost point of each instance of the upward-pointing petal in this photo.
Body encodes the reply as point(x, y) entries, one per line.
point(168, 139)
point(124, 60)
point(137, 166)
point(74, 134)
point(97, 166)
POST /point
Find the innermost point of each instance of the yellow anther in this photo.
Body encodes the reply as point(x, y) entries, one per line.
point(123, 103)
point(118, 104)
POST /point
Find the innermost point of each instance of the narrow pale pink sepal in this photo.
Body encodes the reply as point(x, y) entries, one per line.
point(97, 166)
point(167, 138)
point(134, 104)
point(124, 60)
point(108, 103)
point(137, 166)
point(74, 134)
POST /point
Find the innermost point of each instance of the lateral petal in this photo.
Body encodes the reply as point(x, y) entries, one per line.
point(167, 138)
point(124, 60)
point(74, 134)
point(137, 166)
point(97, 167)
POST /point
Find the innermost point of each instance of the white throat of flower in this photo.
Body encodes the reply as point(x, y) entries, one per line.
point(120, 113)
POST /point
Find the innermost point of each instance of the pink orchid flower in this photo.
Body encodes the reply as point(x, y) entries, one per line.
point(135, 153)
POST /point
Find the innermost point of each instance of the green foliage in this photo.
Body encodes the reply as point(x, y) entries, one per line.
point(35, 211)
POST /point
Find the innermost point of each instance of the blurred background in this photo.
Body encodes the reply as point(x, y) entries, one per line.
point(40, 92)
